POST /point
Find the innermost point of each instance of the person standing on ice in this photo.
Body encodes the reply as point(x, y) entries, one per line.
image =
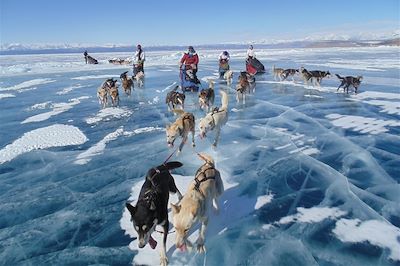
point(223, 63)
point(138, 60)
point(250, 53)
point(190, 60)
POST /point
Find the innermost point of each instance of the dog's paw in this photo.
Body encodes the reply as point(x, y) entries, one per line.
point(201, 248)
point(163, 261)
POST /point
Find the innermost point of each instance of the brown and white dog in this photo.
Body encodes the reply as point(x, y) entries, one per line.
point(181, 128)
point(206, 97)
point(104, 90)
point(228, 76)
point(349, 81)
point(127, 83)
point(195, 205)
point(139, 78)
point(215, 119)
point(242, 87)
point(114, 94)
point(278, 72)
point(175, 98)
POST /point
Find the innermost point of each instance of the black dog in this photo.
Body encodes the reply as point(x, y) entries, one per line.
point(349, 80)
point(175, 98)
point(319, 75)
point(289, 72)
point(152, 206)
point(314, 75)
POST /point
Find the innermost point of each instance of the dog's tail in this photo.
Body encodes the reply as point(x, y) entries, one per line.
point(273, 68)
point(218, 183)
point(339, 77)
point(207, 158)
point(224, 100)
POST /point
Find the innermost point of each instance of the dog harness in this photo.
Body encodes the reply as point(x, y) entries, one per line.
point(213, 112)
point(205, 178)
point(185, 117)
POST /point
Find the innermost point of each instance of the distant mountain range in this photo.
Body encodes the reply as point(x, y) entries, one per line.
point(15, 48)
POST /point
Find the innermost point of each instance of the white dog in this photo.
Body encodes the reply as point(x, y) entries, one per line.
point(215, 119)
point(196, 203)
point(139, 79)
point(228, 76)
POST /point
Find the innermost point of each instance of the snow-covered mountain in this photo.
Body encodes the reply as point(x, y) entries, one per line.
point(317, 40)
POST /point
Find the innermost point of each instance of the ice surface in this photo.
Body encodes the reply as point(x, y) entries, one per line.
point(330, 160)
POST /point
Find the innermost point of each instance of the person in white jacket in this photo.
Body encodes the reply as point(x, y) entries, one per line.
point(138, 60)
point(250, 52)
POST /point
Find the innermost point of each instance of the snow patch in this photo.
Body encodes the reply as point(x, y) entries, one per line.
point(6, 95)
point(312, 215)
point(28, 84)
point(262, 200)
point(69, 89)
point(109, 113)
point(95, 77)
point(98, 148)
point(362, 124)
point(58, 108)
point(57, 135)
point(378, 233)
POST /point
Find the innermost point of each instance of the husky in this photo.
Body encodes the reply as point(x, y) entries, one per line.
point(175, 98)
point(318, 75)
point(206, 97)
point(195, 205)
point(215, 119)
point(104, 90)
point(289, 72)
point(127, 83)
point(228, 76)
point(181, 128)
point(242, 87)
point(349, 80)
point(278, 72)
point(152, 206)
point(314, 75)
point(114, 94)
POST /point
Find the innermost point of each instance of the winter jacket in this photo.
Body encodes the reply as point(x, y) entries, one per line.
point(188, 59)
point(139, 57)
point(250, 53)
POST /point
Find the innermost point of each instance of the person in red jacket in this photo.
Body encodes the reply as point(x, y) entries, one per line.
point(190, 59)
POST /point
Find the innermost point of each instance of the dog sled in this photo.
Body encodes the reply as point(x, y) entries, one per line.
point(89, 59)
point(189, 80)
point(253, 66)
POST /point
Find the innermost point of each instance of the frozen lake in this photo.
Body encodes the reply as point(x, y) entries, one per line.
point(311, 174)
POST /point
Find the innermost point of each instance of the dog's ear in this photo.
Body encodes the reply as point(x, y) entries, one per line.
point(130, 208)
point(175, 208)
point(173, 165)
point(152, 206)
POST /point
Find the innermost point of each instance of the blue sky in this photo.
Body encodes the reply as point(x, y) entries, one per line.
point(183, 22)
